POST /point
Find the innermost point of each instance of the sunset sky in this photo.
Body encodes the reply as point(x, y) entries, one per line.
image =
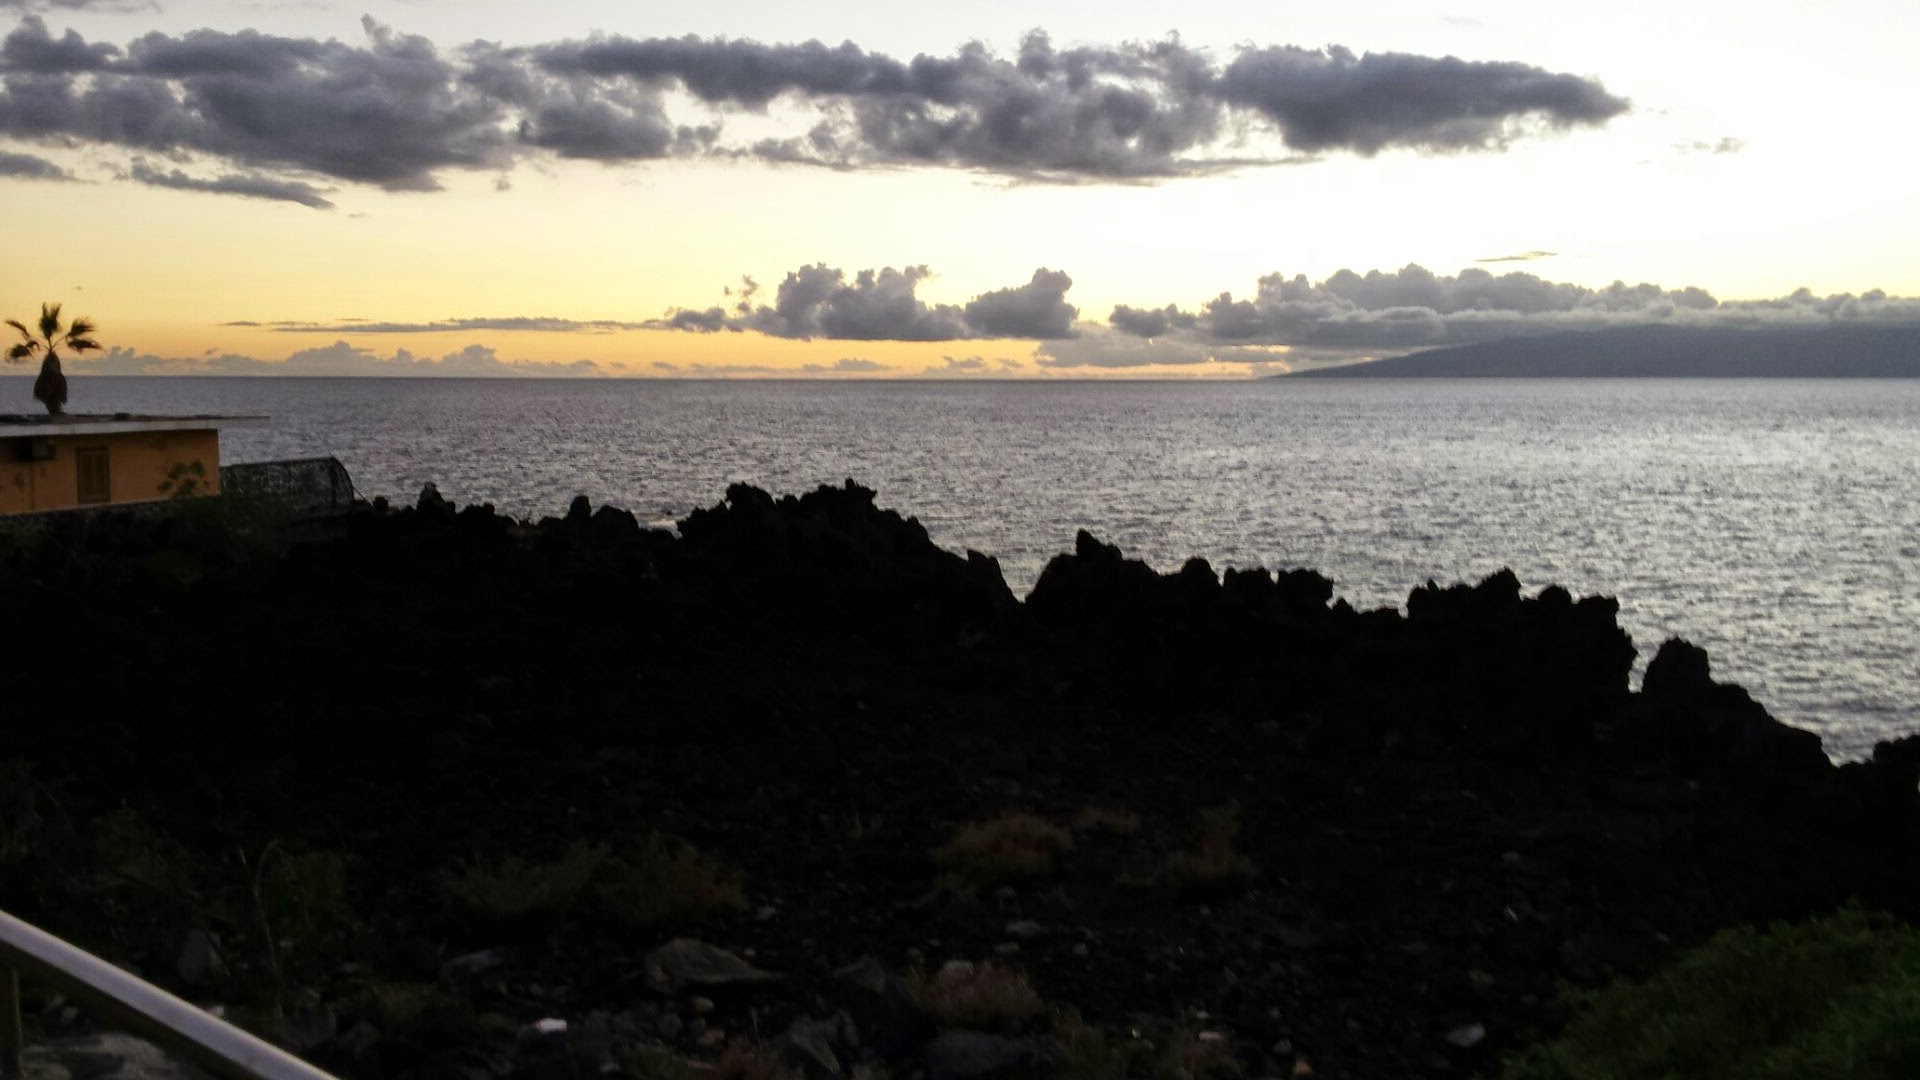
point(989, 188)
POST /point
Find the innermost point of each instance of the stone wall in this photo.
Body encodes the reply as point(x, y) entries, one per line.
point(308, 485)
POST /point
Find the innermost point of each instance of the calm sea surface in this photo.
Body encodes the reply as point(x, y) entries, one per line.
point(1777, 523)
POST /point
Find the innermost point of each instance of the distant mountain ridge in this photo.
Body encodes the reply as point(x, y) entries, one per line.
point(1822, 352)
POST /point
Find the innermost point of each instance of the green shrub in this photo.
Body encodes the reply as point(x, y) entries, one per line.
point(131, 850)
point(201, 534)
point(114, 884)
point(1835, 997)
point(1014, 846)
point(185, 480)
point(300, 899)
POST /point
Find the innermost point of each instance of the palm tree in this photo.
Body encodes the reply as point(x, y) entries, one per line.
point(50, 389)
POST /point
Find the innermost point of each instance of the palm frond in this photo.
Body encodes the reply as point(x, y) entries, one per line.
point(80, 327)
point(20, 326)
point(23, 350)
point(81, 344)
point(49, 320)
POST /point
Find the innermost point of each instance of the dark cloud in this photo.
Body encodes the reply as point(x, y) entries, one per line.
point(1038, 309)
point(391, 112)
point(1331, 99)
point(29, 167)
point(610, 127)
point(1352, 315)
point(576, 117)
point(710, 321)
point(395, 112)
point(248, 185)
point(1150, 324)
point(740, 72)
point(388, 113)
point(31, 50)
point(878, 305)
point(820, 301)
point(1137, 111)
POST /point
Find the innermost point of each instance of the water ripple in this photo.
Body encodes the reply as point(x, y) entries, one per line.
point(1773, 523)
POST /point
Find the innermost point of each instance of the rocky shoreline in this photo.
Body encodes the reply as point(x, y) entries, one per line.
point(400, 787)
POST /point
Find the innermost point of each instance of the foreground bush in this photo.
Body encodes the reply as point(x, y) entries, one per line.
point(1015, 846)
point(1835, 997)
point(983, 997)
point(661, 881)
point(1212, 868)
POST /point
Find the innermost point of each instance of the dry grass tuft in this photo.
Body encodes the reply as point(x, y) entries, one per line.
point(1107, 819)
point(1014, 846)
point(659, 882)
point(1212, 867)
point(985, 997)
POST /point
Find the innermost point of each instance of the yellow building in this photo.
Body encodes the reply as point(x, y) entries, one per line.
point(72, 461)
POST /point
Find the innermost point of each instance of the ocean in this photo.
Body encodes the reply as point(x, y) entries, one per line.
point(1774, 522)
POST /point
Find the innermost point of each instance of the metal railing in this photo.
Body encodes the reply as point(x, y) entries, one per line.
point(132, 1003)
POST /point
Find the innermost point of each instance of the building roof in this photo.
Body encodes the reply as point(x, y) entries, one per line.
point(16, 425)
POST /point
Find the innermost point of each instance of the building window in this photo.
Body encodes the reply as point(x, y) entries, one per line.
point(90, 464)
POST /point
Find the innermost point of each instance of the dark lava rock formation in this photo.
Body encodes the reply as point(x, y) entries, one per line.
point(1442, 816)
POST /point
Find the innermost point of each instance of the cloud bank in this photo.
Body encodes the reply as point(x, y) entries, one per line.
point(1288, 321)
point(1350, 316)
point(820, 301)
point(397, 112)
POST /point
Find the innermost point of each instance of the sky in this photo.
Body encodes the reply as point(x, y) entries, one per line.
point(1032, 190)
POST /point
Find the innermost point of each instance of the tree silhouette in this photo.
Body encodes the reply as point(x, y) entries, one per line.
point(50, 389)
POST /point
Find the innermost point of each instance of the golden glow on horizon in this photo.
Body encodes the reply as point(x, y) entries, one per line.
point(1813, 197)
